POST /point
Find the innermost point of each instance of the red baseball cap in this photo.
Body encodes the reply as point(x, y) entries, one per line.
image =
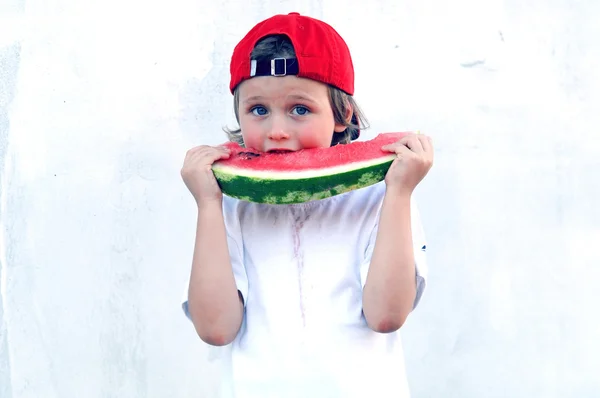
point(321, 53)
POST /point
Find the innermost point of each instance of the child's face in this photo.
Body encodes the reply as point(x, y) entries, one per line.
point(285, 113)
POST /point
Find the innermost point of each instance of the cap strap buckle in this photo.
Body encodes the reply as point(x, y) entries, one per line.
point(274, 67)
point(278, 67)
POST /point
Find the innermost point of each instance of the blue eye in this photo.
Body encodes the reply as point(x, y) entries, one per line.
point(301, 110)
point(259, 110)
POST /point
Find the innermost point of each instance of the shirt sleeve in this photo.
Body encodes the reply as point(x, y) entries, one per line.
point(419, 249)
point(236, 252)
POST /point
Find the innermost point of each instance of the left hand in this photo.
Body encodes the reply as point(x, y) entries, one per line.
point(415, 158)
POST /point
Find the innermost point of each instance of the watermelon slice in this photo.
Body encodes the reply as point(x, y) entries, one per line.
point(304, 175)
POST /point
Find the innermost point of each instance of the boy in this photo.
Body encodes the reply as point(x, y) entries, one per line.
point(310, 296)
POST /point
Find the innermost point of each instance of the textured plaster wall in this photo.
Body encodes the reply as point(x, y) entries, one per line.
point(100, 100)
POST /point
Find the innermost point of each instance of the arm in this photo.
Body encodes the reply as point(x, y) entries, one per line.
point(390, 289)
point(215, 305)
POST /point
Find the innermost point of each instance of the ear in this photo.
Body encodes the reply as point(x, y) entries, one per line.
point(340, 127)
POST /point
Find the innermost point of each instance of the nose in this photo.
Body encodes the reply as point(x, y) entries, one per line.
point(278, 135)
point(277, 132)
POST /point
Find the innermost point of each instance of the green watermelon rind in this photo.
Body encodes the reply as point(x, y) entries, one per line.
point(299, 187)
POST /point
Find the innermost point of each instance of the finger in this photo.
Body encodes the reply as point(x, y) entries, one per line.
point(394, 145)
point(199, 148)
point(216, 155)
point(220, 148)
point(391, 147)
point(402, 151)
point(207, 148)
point(206, 159)
point(414, 143)
point(193, 152)
point(429, 151)
point(426, 143)
point(210, 152)
point(410, 142)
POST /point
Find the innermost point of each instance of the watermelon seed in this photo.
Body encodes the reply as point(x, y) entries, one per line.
point(248, 155)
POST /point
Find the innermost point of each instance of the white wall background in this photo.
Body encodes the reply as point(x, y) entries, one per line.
point(100, 100)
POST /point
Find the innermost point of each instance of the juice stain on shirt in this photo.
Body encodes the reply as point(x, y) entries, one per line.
point(299, 217)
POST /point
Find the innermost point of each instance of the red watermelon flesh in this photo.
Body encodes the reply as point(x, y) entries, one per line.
point(304, 175)
point(310, 159)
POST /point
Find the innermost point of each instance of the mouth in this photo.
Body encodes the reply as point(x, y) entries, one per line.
point(279, 150)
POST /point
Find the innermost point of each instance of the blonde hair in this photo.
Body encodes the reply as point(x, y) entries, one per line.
point(341, 102)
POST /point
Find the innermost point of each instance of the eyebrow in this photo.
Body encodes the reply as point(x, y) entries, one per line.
point(253, 98)
point(302, 97)
point(259, 98)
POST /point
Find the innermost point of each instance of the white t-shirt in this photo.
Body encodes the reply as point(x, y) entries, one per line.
point(301, 269)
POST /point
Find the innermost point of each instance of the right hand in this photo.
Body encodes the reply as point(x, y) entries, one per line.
point(197, 172)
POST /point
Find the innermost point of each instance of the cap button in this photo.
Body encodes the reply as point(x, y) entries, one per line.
point(294, 13)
